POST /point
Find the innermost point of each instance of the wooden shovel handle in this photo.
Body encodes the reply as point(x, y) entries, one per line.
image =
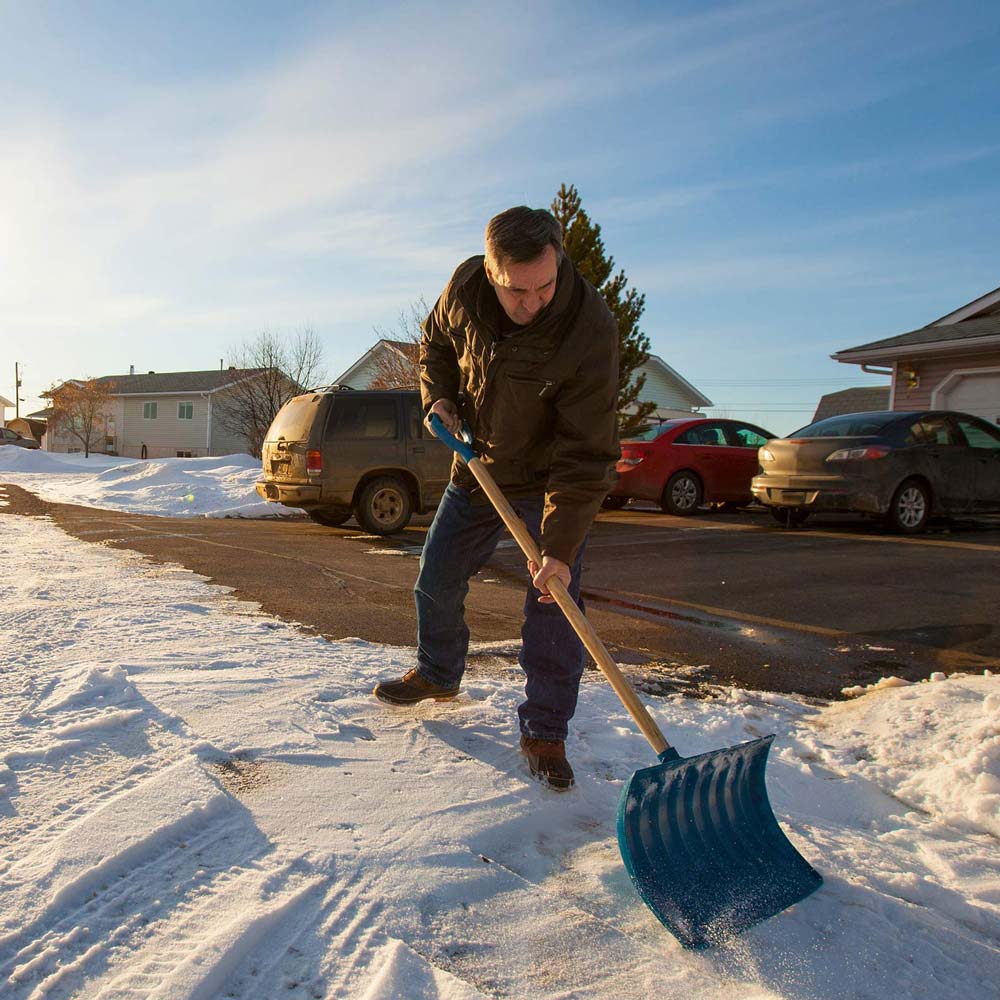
point(571, 610)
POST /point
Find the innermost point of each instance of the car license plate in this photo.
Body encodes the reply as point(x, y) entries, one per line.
point(789, 498)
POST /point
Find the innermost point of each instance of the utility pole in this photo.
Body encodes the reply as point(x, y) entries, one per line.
point(17, 391)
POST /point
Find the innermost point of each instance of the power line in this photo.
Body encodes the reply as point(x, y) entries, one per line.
point(774, 382)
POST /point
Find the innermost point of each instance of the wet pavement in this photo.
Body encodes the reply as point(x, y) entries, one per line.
point(688, 602)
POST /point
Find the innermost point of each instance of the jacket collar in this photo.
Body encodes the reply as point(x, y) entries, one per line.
point(480, 300)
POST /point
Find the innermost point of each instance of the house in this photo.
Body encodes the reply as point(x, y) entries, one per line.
point(385, 358)
point(164, 415)
point(673, 394)
point(4, 404)
point(952, 363)
point(863, 399)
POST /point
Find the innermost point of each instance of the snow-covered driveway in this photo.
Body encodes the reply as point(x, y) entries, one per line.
point(199, 801)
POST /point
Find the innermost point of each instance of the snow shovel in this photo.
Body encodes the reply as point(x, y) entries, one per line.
point(697, 834)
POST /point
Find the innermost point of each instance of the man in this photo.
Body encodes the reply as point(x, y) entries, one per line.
point(525, 351)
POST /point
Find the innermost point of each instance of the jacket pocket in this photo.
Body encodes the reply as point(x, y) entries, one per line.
point(540, 387)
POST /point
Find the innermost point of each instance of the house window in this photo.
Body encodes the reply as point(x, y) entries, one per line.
point(149, 411)
point(185, 411)
point(184, 454)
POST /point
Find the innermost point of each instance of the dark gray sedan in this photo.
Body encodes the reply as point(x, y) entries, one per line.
point(901, 466)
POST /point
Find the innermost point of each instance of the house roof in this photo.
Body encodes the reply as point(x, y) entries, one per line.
point(975, 325)
point(985, 305)
point(858, 400)
point(171, 382)
point(970, 329)
point(408, 350)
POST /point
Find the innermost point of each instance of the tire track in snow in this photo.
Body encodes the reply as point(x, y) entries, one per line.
point(196, 952)
point(99, 885)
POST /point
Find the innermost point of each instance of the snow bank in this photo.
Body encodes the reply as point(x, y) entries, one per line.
point(172, 487)
point(14, 459)
point(935, 745)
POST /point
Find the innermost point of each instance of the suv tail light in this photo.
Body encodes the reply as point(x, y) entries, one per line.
point(314, 463)
point(857, 454)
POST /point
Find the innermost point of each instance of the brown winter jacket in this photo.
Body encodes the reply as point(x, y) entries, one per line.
point(541, 403)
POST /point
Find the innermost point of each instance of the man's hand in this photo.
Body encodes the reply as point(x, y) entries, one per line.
point(550, 567)
point(448, 412)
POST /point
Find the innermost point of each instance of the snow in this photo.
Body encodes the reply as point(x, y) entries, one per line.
point(170, 487)
point(199, 800)
point(939, 755)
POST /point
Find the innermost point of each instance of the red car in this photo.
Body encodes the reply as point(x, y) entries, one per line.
point(682, 464)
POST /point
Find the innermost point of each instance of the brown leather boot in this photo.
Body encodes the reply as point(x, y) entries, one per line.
point(411, 688)
point(547, 761)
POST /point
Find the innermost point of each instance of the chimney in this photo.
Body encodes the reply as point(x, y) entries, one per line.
point(131, 369)
point(220, 364)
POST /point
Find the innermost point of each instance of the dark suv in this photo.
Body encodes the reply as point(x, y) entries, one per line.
point(336, 451)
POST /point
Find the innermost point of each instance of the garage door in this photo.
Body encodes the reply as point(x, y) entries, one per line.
point(978, 394)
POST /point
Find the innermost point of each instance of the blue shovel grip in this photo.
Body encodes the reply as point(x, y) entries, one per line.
point(463, 448)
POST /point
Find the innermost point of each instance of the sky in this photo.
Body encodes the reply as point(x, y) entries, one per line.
point(781, 180)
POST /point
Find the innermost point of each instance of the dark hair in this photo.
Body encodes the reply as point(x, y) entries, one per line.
point(521, 234)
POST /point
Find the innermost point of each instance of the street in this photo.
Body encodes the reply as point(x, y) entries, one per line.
point(726, 598)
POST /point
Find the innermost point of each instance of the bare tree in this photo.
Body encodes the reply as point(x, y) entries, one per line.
point(398, 365)
point(81, 410)
point(269, 371)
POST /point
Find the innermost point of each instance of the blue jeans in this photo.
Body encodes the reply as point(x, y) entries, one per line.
point(461, 539)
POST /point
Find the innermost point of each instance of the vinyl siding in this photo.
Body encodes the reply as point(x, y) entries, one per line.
point(664, 391)
point(167, 434)
point(224, 442)
point(932, 372)
point(362, 378)
point(63, 443)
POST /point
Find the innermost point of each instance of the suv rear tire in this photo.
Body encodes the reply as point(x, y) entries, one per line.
point(330, 517)
point(384, 506)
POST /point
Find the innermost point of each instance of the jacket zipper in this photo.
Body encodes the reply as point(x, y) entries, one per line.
point(527, 380)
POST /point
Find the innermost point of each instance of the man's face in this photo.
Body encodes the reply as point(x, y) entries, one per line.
point(524, 290)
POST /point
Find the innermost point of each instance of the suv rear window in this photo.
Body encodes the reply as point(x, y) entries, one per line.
point(295, 419)
point(848, 425)
point(363, 417)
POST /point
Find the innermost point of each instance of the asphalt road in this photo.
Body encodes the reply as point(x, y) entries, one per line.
point(690, 602)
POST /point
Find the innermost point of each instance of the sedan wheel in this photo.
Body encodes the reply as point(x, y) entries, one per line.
point(384, 506)
point(910, 508)
point(682, 494)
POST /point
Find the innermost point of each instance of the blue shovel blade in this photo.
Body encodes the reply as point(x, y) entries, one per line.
point(700, 841)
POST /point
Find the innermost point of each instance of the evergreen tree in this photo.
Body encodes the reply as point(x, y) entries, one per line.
point(582, 241)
